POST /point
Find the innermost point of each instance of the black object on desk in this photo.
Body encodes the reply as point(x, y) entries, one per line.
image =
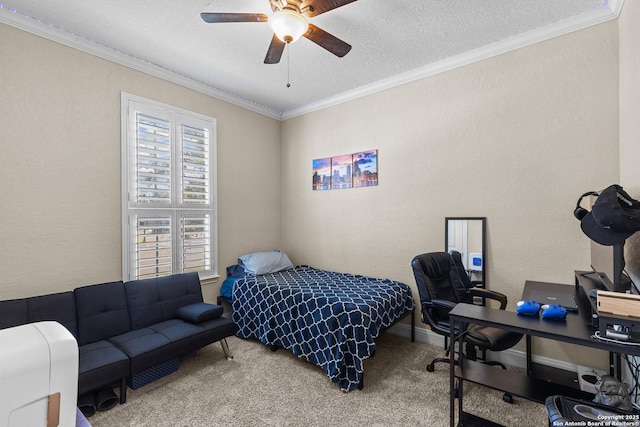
point(575, 329)
point(586, 284)
point(556, 297)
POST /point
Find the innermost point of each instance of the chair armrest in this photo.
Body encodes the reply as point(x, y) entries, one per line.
point(441, 326)
point(440, 303)
point(485, 293)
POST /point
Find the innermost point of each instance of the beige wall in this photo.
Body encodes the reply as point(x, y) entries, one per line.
point(630, 120)
point(60, 167)
point(516, 138)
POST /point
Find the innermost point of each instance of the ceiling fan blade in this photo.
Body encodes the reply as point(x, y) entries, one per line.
point(327, 41)
point(316, 7)
point(214, 18)
point(274, 53)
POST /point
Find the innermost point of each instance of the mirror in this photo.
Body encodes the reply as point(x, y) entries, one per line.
point(467, 235)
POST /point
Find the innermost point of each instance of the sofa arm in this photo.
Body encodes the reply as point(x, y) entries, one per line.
point(198, 312)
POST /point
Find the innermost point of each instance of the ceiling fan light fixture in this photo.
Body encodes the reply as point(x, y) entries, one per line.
point(288, 25)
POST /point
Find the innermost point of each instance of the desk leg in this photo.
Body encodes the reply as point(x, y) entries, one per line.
point(529, 362)
point(452, 376)
point(615, 365)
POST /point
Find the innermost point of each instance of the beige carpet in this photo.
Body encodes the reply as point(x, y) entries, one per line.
point(264, 388)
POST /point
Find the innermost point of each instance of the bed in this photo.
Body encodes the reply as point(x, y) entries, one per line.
point(330, 318)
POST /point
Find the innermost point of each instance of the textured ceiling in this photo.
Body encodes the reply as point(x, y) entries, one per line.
point(393, 41)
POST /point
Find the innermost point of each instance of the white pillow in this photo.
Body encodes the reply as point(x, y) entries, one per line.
point(265, 262)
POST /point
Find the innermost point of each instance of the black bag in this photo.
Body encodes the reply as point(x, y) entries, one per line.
point(611, 392)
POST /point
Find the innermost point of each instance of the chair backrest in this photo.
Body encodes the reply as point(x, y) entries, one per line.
point(437, 278)
point(462, 273)
point(440, 277)
point(431, 271)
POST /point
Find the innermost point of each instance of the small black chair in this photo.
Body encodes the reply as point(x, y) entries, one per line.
point(441, 287)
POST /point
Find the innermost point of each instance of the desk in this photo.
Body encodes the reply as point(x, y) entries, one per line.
point(575, 329)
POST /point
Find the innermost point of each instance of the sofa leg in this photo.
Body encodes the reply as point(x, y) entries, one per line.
point(225, 349)
point(123, 390)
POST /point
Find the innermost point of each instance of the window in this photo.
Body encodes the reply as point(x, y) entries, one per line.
point(168, 191)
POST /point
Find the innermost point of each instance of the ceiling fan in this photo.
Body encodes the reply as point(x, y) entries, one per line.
point(288, 23)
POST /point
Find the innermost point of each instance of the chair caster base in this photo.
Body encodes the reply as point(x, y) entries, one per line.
point(507, 398)
point(430, 368)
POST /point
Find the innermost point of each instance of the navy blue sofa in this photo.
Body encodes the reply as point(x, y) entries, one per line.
point(124, 328)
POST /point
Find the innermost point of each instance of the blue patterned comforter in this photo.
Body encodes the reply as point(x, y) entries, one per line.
point(330, 318)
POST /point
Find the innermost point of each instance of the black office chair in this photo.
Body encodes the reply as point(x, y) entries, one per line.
point(441, 287)
point(464, 275)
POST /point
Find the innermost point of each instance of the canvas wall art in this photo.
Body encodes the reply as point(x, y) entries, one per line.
point(341, 176)
point(346, 171)
point(322, 174)
point(365, 168)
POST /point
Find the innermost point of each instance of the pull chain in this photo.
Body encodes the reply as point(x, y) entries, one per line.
point(287, 47)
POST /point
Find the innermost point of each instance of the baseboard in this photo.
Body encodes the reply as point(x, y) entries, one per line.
point(510, 357)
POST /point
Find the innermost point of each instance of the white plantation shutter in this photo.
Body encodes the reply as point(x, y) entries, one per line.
point(169, 220)
point(154, 248)
point(195, 165)
point(196, 247)
point(153, 159)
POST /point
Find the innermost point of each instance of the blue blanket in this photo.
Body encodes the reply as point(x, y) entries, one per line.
point(330, 318)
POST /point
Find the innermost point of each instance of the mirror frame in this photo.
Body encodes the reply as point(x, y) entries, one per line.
point(484, 240)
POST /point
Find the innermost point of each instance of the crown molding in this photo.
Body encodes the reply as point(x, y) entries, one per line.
point(27, 23)
point(608, 13)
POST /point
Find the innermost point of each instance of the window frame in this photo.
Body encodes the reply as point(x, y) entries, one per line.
point(177, 208)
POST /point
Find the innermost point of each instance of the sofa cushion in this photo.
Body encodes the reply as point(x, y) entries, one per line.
point(176, 330)
point(60, 307)
point(221, 327)
point(100, 363)
point(212, 331)
point(139, 341)
point(145, 348)
point(199, 312)
point(102, 311)
point(13, 312)
point(155, 300)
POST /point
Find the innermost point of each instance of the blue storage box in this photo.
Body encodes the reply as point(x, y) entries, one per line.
point(154, 373)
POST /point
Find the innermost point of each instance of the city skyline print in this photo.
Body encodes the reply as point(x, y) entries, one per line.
point(365, 168)
point(341, 176)
point(322, 174)
point(346, 171)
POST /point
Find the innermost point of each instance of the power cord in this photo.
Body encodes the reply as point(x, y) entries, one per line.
point(634, 368)
point(597, 335)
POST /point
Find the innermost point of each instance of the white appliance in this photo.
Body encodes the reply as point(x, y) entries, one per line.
point(475, 261)
point(38, 376)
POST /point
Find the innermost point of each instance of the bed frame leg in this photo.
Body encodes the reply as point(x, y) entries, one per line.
point(413, 325)
point(225, 349)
